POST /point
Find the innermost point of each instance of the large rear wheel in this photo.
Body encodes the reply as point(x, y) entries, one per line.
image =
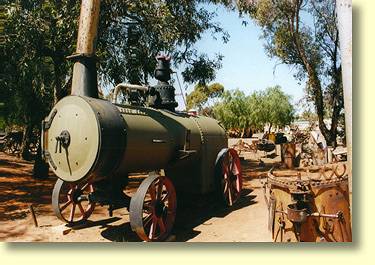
point(153, 208)
point(229, 176)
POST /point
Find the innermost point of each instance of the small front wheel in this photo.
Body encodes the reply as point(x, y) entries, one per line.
point(70, 201)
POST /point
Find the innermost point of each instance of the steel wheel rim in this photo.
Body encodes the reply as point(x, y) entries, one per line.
point(65, 201)
point(231, 177)
point(153, 208)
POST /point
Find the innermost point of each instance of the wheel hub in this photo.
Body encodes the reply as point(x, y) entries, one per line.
point(76, 194)
point(159, 208)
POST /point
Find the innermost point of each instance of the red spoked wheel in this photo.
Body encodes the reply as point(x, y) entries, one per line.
point(229, 175)
point(70, 201)
point(153, 208)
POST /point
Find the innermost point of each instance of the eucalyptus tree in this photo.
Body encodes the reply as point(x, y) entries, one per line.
point(203, 94)
point(234, 112)
point(37, 36)
point(304, 35)
point(277, 108)
point(271, 107)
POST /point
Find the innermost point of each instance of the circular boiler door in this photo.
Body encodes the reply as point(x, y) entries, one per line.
point(72, 139)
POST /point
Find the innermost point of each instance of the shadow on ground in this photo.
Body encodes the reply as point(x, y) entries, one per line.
point(192, 211)
point(19, 189)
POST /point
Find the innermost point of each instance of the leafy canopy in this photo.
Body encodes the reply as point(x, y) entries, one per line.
point(277, 107)
point(304, 35)
point(37, 36)
point(238, 111)
point(202, 94)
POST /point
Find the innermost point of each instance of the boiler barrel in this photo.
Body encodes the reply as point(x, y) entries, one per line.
point(85, 137)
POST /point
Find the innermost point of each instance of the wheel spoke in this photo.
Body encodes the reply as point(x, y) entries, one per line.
point(81, 209)
point(238, 184)
point(147, 208)
point(230, 195)
point(65, 205)
point(146, 220)
point(226, 187)
point(71, 216)
point(237, 188)
point(226, 175)
point(161, 225)
point(166, 195)
point(153, 227)
point(152, 192)
point(160, 188)
point(231, 162)
point(225, 170)
point(235, 192)
point(85, 186)
point(235, 170)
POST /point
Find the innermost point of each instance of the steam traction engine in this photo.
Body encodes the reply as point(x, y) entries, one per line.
point(92, 145)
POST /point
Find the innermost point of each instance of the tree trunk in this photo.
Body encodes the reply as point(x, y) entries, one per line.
point(242, 133)
point(27, 133)
point(329, 134)
point(314, 82)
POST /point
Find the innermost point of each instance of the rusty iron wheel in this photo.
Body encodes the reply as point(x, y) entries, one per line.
point(229, 176)
point(70, 201)
point(153, 208)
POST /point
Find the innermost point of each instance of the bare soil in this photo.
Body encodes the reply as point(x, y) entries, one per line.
point(199, 218)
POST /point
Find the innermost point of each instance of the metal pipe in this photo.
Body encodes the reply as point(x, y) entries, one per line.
point(84, 81)
point(344, 21)
point(126, 86)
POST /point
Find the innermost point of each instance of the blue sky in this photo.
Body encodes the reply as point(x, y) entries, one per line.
point(245, 65)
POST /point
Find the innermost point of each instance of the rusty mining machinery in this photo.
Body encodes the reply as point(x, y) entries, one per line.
point(309, 207)
point(92, 145)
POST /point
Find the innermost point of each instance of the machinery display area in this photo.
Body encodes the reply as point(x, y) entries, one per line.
point(129, 164)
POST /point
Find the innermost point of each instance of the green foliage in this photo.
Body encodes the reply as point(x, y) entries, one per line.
point(37, 36)
point(202, 94)
point(238, 111)
point(234, 111)
point(33, 52)
point(201, 70)
point(308, 116)
point(304, 35)
point(2, 119)
point(277, 107)
point(132, 33)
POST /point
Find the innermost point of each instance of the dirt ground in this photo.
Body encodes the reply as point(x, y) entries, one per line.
point(199, 218)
